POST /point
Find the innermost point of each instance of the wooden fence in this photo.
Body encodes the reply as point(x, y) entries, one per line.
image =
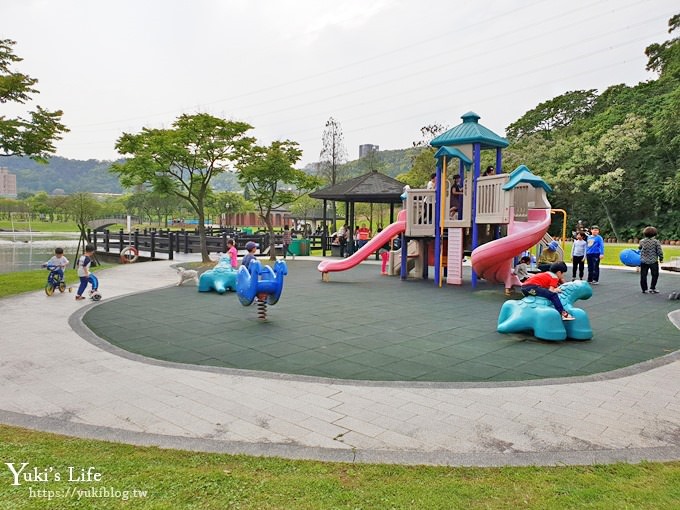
point(163, 244)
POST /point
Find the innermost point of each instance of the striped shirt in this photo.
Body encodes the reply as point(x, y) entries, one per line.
point(650, 251)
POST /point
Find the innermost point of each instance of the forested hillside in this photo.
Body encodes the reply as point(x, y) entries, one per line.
point(70, 175)
point(74, 175)
point(612, 158)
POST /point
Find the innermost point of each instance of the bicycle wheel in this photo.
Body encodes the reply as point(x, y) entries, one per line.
point(49, 289)
point(62, 287)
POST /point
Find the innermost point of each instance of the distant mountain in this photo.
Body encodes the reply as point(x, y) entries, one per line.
point(93, 176)
point(389, 162)
point(71, 175)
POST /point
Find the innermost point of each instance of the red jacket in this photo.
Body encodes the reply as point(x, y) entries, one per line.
point(545, 280)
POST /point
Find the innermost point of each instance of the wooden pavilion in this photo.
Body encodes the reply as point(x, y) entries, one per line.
point(370, 188)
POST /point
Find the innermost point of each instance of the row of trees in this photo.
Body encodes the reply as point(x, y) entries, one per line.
point(183, 160)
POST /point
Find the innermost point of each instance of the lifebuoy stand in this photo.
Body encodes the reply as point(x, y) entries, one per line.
point(129, 255)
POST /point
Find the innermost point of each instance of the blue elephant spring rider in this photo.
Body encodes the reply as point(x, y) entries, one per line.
point(220, 278)
point(538, 315)
point(261, 282)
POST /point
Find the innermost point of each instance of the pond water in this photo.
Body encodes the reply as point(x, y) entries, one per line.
point(23, 252)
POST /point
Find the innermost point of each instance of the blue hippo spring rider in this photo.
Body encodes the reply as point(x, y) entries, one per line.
point(536, 314)
point(630, 258)
point(220, 278)
point(261, 282)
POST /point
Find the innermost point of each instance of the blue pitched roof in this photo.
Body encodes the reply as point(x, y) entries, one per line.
point(523, 174)
point(452, 152)
point(470, 131)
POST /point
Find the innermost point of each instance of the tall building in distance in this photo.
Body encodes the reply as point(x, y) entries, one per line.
point(8, 184)
point(366, 149)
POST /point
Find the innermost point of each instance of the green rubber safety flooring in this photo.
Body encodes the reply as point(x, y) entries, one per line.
point(364, 326)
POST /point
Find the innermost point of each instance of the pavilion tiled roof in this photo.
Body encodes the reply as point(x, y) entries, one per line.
point(372, 187)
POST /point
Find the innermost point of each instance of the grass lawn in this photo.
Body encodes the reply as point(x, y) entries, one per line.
point(27, 281)
point(40, 226)
point(178, 479)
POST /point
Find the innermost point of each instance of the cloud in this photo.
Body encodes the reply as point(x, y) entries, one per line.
point(382, 68)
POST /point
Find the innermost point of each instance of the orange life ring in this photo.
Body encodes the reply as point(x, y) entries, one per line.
point(129, 255)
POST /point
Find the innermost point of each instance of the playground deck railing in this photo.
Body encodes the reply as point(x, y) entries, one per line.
point(493, 203)
point(493, 206)
point(420, 212)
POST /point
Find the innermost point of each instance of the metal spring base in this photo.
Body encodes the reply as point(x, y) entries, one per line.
point(262, 310)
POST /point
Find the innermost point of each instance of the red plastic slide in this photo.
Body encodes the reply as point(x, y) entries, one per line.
point(366, 250)
point(493, 261)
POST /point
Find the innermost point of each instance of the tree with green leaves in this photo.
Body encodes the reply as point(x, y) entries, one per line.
point(556, 113)
point(31, 136)
point(153, 204)
point(305, 206)
point(593, 164)
point(271, 181)
point(184, 159)
point(229, 202)
point(664, 57)
point(423, 165)
point(84, 208)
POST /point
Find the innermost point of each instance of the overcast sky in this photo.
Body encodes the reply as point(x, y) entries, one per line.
point(381, 68)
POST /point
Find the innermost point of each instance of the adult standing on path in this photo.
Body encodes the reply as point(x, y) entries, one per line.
point(342, 238)
point(650, 256)
point(594, 252)
point(286, 240)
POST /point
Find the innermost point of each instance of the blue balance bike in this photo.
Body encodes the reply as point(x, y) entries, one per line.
point(55, 280)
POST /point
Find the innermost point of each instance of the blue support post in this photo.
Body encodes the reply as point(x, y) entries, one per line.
point(437, 220)
point(476, 150)
point(403, 273)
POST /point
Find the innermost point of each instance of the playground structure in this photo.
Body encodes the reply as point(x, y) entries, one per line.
point(495, 217)
point(537, 315)
point(261, 282)
point(220, 278)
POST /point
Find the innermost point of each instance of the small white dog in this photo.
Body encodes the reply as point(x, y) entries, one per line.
point(186, 274)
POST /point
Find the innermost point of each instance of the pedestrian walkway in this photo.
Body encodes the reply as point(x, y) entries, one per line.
point(56, 375)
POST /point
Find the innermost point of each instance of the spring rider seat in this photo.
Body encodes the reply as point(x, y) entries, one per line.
point(536, 314)
point(220, 278)
point(261, 282)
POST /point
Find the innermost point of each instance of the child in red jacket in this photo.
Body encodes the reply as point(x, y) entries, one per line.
point(546, 285)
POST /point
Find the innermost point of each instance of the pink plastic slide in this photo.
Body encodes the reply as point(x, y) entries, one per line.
point(493, 261)
point(365, 251)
